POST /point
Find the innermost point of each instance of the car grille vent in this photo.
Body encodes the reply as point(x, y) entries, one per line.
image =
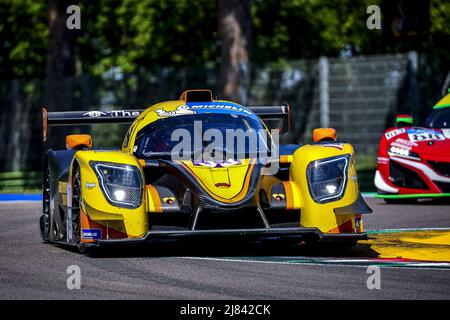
point(442, 168)
point(404, 177)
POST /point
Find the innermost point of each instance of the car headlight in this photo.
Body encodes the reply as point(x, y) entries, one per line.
point(402, 152)
point(327, 178)
point(121, 184)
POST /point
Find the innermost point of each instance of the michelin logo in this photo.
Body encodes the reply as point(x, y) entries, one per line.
point(193, 108)
point(221, 106)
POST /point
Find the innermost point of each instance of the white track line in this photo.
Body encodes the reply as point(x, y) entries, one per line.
point(407, 230)
point(407, 265)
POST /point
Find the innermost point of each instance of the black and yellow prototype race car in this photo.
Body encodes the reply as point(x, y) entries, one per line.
point(197, 167)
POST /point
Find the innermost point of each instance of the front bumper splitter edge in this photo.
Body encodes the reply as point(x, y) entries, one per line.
point(311, 234)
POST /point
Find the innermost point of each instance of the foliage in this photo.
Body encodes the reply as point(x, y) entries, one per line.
point(23, 38)
point(294, 29)
point(133, 35)
point(128, 36)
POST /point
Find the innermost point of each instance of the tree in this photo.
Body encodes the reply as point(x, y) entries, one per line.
point(23, 39)
point(235, 40)
point(60, 62)
point(60, 57)
point(139, 35)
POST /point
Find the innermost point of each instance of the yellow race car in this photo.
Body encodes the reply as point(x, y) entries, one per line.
point(194, 168)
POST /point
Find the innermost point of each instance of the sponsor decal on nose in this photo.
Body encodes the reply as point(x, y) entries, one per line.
point(91, 234)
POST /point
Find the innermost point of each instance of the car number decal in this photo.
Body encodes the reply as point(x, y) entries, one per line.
point(424, 135)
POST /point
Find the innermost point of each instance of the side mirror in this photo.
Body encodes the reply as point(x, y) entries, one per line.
point(78, 141)
point(324, 134)
point(404, 120)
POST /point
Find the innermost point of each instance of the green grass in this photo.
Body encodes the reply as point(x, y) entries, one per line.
point(366, 165)
point(366, 161)
point(20, 182)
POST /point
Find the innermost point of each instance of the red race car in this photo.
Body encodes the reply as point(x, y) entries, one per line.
point(414, 162)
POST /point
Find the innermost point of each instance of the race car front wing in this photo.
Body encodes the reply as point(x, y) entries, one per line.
point(295, 234)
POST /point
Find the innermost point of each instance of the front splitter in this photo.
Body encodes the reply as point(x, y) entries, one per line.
point(295, 234)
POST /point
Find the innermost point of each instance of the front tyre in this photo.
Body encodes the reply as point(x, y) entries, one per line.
point(400, 201)
point(77, 199)
point(44, 221)
point(76, 207)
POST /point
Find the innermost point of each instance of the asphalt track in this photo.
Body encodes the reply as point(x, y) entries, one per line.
point(30, 269)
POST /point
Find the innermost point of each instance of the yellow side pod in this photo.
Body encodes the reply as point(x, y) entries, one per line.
point(319, 215)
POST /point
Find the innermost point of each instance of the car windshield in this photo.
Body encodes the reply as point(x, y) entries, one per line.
point(438, 119)
point(191, 137)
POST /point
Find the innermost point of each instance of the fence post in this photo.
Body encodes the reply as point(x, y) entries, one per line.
point(413, 58)
point(324, 92)
point(446, 85)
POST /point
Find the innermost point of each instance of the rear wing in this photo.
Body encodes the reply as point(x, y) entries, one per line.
point(275, 117)
point(73, 118)
point(271, 115)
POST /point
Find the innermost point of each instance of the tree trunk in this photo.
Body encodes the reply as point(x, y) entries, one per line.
point(235, 38)
point(60, 61)
point(14, 152)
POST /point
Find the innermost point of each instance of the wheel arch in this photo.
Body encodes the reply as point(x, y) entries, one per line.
point(59, 163)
